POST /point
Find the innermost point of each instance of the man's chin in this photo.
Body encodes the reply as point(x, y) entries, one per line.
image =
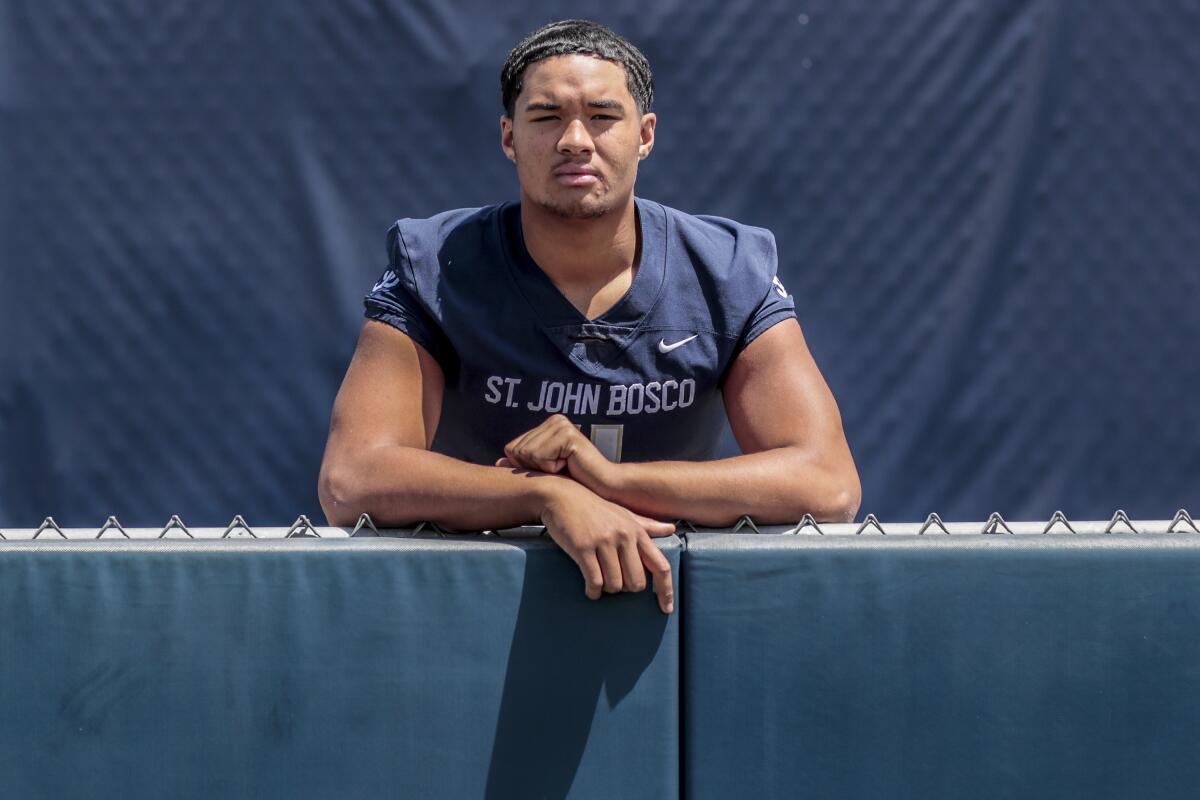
point(576, 208)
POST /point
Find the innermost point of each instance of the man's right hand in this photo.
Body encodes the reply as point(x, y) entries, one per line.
point(610, 544)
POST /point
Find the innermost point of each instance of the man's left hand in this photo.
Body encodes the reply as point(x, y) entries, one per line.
point(558, 446)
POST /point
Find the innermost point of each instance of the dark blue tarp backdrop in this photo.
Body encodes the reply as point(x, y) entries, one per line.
point(987, 213)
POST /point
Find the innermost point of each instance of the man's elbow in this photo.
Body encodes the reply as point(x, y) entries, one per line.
point(844, 506)
point(335, 490)
point(841, 503)
point(849, 499)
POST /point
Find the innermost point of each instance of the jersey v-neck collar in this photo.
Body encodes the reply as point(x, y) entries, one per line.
point(551, 306)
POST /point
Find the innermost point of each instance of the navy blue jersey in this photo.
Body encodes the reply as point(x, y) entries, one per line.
point(643, 379)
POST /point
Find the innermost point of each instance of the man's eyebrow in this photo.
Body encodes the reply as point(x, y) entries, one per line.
point(545, 106)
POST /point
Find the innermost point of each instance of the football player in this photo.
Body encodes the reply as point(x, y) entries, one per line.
point(567, 359)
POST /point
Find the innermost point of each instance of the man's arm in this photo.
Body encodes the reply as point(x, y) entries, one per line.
point(377, 461)
point(796, 459)
point(377, 458)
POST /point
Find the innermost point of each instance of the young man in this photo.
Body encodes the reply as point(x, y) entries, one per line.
point(566, 360)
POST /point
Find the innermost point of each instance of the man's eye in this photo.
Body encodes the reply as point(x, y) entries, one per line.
point(603, 116)
point(543, 119)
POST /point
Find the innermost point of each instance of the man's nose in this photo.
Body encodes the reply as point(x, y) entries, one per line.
point(575, 139)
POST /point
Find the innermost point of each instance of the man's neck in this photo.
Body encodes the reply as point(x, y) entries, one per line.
point(591, 261)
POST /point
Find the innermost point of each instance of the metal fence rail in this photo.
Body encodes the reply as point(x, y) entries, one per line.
point(238, 528)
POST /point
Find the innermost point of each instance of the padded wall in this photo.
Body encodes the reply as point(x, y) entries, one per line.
point(985, 210)
point(363, 668)
point(941, 666)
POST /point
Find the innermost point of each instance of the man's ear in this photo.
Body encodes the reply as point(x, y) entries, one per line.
point(506, 138)
point(647, 143)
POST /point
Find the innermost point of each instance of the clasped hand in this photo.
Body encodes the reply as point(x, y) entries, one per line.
point(610, 544)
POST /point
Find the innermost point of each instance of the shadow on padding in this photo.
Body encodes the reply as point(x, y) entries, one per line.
point(565, 648)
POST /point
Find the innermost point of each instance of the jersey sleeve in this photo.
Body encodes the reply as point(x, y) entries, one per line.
point(776, 306)
point(396, 301)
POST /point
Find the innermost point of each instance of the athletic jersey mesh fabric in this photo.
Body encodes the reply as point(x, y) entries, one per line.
point(643, 380)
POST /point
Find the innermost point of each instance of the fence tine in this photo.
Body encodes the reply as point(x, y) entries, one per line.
point(364, 520)
point(49, 524)
point(931, 520)
point(870, 521)
point(995, 523)
point(109, 524)
point(1059, 517)
point(302, 529)
point(1183, 516)
point(808, 521)
point(175, 523)
point(433, 526)
point(238, 522)
point(745, 522)
point(1120, 518)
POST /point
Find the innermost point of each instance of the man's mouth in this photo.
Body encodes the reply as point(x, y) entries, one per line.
point(576, 175)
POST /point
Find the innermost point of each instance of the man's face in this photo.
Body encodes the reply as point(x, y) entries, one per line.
point(576, 136)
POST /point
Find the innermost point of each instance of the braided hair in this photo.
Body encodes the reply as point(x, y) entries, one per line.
point(571, 36)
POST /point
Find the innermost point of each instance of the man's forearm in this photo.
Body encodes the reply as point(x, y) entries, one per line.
point(401, 485)
point(773, 486)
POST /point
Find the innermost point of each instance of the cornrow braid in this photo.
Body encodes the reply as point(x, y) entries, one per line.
point(571, 36)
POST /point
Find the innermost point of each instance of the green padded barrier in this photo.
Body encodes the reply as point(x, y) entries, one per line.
point(419, 667)
point(942, 666)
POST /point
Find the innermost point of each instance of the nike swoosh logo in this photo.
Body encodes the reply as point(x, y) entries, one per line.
point(663, 347)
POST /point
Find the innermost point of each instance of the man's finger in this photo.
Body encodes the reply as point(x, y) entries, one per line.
point(541, 463)
point(514, 452)
point(658, 566)
point(550, 465)
point(515, 442)
point(656, 528)
point(610, 562)
point(544, 447)
point(631, 567)
point(522, 460)
point(593, 577)
point(520, 451)
point(511, 457)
